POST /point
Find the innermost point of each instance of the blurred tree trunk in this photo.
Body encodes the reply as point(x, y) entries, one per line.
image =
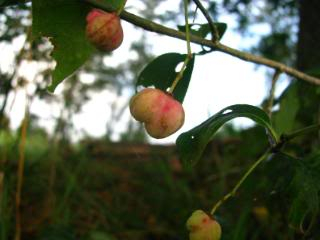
point(308, 60)
point(309, 35)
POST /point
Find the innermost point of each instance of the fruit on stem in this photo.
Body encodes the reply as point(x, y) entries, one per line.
point(203, 227)
point(161, 114)
point(104, 30)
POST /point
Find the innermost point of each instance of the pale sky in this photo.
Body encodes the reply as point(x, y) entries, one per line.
point(218, 80)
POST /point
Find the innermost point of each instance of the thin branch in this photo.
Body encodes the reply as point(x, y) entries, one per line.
point(155, 27)
point(20, 172)
point(187, 27)
point(180, 74)
point(238, 185)
point(189, 55)
point(213, 27)
point(267, 62)
point(300, 132)
point(4, 104)
point(275, 78)
point(284, 138)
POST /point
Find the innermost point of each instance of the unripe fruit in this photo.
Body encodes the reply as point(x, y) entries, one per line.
point(161, 114)
point(104, 30)
point(202, 227)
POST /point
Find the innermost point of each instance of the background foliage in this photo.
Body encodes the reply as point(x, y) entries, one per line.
point(99, 190)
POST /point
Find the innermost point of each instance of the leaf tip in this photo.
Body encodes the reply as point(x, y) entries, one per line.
point(51, 88)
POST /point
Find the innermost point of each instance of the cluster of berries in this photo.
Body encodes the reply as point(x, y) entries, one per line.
point(158, 110)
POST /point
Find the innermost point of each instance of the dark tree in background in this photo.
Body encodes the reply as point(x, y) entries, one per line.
point(308, 60)
point(308, 38)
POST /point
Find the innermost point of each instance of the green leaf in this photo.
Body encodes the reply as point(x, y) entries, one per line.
point(191, 144)
point(305, 187)
point(202, 30)
point(161, 73)
point(298, 183)
point(63, 22)
point(284, 119)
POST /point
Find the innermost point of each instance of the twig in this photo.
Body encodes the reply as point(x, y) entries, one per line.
point(284, 138)
point(180, 74)
point(189, 54)
point(187, 27)
point(300, 132)
point(275, 78)
point(235, 189)
point(20, 173)
point(213, 27)
point(158, 28)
